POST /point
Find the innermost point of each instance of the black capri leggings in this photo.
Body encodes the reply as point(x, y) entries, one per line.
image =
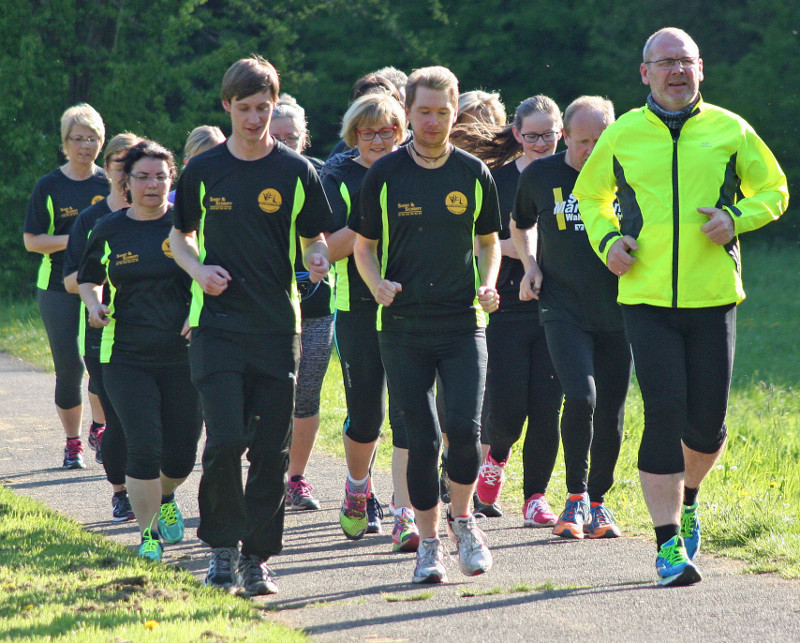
point(113, 447)
point(160, 413)
point(684, 362)
point(61, 313)
point(364, 378)
point(412, 361)
point(521, 384)
point(595, 370)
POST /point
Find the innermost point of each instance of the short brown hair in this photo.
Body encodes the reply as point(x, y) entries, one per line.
point(437, 78)
point(250, 76)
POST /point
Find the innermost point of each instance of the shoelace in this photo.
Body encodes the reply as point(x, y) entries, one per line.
point(471, 535)
point(302, 488)
point(374, 509)
point(74, 448)
point(492, 474)
point(539, 505)
point(571, 509)
point(169, 513)
point(255, 572)
point(150, 544)
point(687, 523)
point(674, 554)
point(222, 562)
point(603, 516)
point(429, 555)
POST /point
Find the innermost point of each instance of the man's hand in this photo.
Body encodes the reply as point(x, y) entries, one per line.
point(531, 283)
point(488, 299)
point(212, 279)
point(318, 267)
point(719, 228)
point(386, 291)
point(620, 260)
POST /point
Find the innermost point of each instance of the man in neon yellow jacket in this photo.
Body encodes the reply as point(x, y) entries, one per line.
point(690, 177)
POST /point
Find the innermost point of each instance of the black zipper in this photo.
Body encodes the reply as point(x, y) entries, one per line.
point(675, 220)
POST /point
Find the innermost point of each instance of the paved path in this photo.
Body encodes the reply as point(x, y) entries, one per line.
point(340, 590)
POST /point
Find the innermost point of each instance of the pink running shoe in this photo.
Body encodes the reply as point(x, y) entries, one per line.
point(491, 476)
point(537, 513)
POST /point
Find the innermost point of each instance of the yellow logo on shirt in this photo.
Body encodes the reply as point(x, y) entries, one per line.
point(219, 203)
point(68, 212)
point(97, 198)
point(456, 202)
point(166, 248)
point(408, 210)
point(124, 258)
point(270, 200)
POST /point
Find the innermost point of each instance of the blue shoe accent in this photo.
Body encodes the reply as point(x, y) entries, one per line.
point(673, 565)
point(690, 530)
point(151, 547)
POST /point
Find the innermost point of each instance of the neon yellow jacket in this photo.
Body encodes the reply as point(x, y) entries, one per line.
point(718, 160)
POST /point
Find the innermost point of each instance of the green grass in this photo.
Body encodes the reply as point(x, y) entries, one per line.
point(22, 333)
point(397, 598)
point(58, 582)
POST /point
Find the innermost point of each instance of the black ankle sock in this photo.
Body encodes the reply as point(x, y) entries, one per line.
point(71, 439)
point(690, 495)
point(96, 425)
point(169, 498)
point(121, 494)
point(153, 534)
point(664, 533)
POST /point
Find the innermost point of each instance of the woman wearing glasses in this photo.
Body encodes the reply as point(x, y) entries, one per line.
point(521, 382)
point(374, 125)
point(56, 201)
point(143, 352)
point(288, 126)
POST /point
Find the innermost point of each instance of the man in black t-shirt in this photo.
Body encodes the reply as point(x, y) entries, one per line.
point(238, 210)
point(582, 320)
point(428, 202)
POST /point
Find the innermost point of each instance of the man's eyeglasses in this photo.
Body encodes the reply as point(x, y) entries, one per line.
point(669, 63)
point(532, 137)
point(385, 133)
point(146, 178)
point(80, 140)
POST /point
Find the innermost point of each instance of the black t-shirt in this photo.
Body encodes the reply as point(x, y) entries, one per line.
point(53, 208)
point(88, 337)
point(149, 292)
point(427, 221)
point(247, 215)
point(343, 187)
point(511, 270)
point(576, 285)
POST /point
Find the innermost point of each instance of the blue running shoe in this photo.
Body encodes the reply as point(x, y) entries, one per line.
point(151, 546)
point(690, 530)
point(673, 565)
point(170, 522)
point(576, 514)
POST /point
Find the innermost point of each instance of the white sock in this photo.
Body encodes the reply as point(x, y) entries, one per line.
point(357, 486)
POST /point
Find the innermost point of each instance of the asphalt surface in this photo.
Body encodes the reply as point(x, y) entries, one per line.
point(340, 590)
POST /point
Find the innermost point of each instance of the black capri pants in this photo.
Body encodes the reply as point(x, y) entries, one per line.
point(412, 361)
point(113, 447)
point(594, 368)
point(160, 414)
point(61, 313)
point(364, 378)
point(684, 361)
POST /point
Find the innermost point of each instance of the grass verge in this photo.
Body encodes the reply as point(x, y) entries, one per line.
point(58, 583)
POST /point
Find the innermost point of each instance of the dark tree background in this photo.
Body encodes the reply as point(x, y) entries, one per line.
point(155, 68)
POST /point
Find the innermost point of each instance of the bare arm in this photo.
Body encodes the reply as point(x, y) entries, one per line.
point(315, 257)
point(340, 244)
point(525, 243)
point(45, 243)
point(489, 256)
point(92, 296)
point(212, 279)
point(365, 253)
point(71, 283)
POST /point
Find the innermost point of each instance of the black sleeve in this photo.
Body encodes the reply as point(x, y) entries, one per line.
point(488, 220)
point(525, 213)
point(188, 207)
point(340, 209)
point(92, 270)
point(369, 222)
point(78, 237)
point(315, 216)
point(37, 219)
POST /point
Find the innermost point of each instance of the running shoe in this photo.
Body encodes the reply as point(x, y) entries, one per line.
point(536, 512)
point(253, 575)
point(690, 530)
point(73, 454)
point(474, 556)
point(430, 563)
point(602, 523)
point(170, 522)
point(353, 515)
point(575, 515)
point(95, 441)
point(221, 567)
point(300, 496)
point(490, 511)
point(491, 476)
point(151, 546)
point(374, 514)
point(121, 508)
point(444, 483)
point(673, 565)
point(405, 535)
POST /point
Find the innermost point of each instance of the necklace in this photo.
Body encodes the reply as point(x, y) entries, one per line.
point(431, 160)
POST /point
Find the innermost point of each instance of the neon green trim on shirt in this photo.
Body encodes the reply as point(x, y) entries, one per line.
point(46, 267)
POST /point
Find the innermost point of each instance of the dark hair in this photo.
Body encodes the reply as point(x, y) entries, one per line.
point(150, 150)
point(250, 76)
point(372, 83)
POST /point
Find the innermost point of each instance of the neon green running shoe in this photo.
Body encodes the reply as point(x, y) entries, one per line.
point(353, 516)
point(673, 565)
point(690, 530)
point(151, 547)
point(170, 522)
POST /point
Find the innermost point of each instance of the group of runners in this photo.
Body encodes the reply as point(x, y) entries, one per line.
point(460, 261)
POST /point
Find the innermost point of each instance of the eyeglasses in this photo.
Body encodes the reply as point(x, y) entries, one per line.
point(287, 140)
point(384, 133)
point(669, 63)
point(532, 137)
point(80, 140)
point(146, 178)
